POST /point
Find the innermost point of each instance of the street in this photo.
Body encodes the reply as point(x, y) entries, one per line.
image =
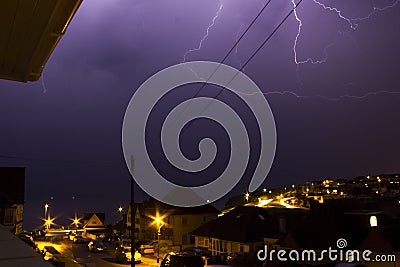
point(80, 253)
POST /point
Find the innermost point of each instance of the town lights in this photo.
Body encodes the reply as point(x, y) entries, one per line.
point(247, 196)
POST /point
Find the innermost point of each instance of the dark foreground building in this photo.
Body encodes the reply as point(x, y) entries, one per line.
point(12, 191)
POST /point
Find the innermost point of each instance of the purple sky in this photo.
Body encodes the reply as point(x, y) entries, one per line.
point(344, 123)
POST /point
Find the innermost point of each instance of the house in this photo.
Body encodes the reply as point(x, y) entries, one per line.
point(359, 224)
point(93, 224)
point(139, 221)
point(178, 222)
point(243, 229)
point(12, 191)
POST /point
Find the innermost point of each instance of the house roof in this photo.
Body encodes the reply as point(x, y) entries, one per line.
point(375, 241)
point(12, 185)
point(322, 227)
point(29, 32)
point(120, 225)
point(152, 206)
point(243, 224)
point(100, 215)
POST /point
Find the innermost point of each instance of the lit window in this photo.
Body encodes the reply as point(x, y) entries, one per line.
point(373, 221)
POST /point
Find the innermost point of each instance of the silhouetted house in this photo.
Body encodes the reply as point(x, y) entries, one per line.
point(362, 229)
point(178, 221)
point(12, 190)
point(93, 224)
point(244, 229)
point(121, 226)
point(139, 221)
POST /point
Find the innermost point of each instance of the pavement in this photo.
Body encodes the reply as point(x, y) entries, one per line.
point(15, 253)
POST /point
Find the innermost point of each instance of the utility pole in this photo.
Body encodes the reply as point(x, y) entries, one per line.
point(132, 214)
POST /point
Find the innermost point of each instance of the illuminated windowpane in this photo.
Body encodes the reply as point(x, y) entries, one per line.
point(373, 221)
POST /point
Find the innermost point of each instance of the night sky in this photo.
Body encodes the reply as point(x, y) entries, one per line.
point(337, 114)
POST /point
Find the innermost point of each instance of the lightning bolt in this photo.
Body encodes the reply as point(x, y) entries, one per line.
point(341, 97)
point(338, 98)
point(238, 34)
point(351, 21)
point(43, 84)
point(353, 24)
point(198, 48)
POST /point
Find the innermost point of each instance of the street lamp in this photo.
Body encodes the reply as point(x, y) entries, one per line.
point(46, 207)
point(76, 221)
point(159, 222)
point(48, 222)
point(247, 196)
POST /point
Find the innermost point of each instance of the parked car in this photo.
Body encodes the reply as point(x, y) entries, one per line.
point(182, 260)
point(149, 247)
point(50, 253)
point(78, 239)
point(111, 238)
point(241, 258)
point(71, 235)
point(350, 265)
point(97, 246)
point(216, 260)
point(198, 251)
point(124, 254)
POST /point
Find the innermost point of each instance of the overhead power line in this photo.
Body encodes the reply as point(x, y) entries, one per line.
point(266, 40)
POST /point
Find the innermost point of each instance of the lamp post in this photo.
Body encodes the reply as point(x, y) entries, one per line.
point(46, 207)
point(121, 212)
point(159, 222)
point(247, 196)
point(48, 222)
point(76, 221)
point(132, 213)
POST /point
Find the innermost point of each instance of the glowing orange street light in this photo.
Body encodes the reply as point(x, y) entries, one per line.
point(247, 196)
point(48, 222)
point(76, 221)
point(159, 222)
